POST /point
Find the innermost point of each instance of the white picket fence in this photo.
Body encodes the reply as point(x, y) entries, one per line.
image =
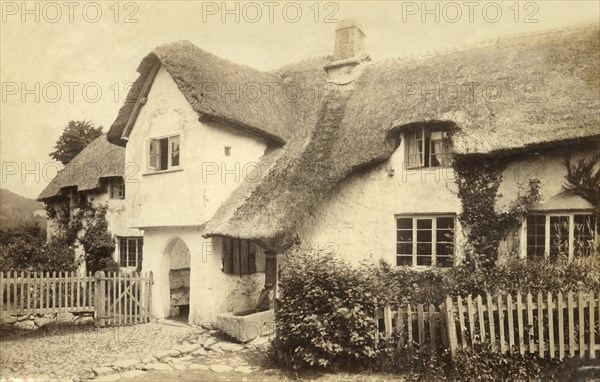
point(550, 325)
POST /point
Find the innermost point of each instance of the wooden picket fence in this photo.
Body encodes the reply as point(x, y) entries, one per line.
point(114, 298)
point(550, 325)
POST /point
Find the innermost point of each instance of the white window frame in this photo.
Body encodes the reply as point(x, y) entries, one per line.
point(423, 130)
point(434, 242)
point(548, 215)
point(170, 166)
point(137, 254)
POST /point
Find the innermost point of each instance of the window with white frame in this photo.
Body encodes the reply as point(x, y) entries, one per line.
point(551, 234)
point(117, 188)
point(163, 153)
point(425, 240)
point(428, 148)
point(131, 251)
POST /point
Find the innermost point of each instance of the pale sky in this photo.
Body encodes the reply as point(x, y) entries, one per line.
point(87, 45)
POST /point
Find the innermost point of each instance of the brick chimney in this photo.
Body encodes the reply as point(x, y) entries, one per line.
point(348, 53)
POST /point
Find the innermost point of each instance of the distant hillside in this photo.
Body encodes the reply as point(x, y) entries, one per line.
point(16, 210)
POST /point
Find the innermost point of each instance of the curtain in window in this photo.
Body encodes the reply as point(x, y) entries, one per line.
point(441, 147)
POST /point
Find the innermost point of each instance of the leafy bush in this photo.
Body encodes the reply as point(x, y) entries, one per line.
point(401, 285)
point(489, 366)
point(98, 242)
point(324, 317)
point(25, 249)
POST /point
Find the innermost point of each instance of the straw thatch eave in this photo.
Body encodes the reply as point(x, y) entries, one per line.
point(559, 68)
point(97, 161)
point(217, 90)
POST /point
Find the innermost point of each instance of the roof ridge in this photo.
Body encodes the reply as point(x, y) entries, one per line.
point(486, 43)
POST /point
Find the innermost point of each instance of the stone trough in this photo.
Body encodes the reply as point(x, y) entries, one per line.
point(246, 325)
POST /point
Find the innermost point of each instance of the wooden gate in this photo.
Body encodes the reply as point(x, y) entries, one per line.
point(122, 298)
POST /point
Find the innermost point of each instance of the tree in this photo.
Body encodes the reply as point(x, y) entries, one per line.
point(76, 136)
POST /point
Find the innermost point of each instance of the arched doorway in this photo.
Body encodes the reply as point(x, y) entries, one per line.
point(176, 259)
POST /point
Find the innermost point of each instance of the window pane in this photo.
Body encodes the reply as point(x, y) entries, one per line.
point(403, 260)
point(404, 248)
point(445, 235)
point(154, 160)
point(164, 152)
point(559, 235)
point(132, 251)
point(423, 249)
point(174, 150)
point(424, 260)
point(404, 235)
point(415, 148)
point(536, 235)
point(423, 236)
point(444, 261)
point(583, 234)
point(404, 223)
point(423, 223)
point(123, 252)
point(444, 250)
point(445, 222)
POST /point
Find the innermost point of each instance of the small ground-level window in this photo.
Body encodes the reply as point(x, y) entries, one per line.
point(131, 251)
point(551, 234)
point(425, 240)
point(117, 188)
point(239, 256)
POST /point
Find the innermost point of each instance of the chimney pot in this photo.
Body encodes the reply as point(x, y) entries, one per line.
point(348, 53)
point(349, 40)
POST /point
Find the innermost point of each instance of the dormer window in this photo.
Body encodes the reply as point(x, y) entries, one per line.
point(428, 148)
point(164, 153)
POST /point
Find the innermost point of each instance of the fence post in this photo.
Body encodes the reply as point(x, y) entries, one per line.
point(449, 312)
point(99, 299)
point(387, 320)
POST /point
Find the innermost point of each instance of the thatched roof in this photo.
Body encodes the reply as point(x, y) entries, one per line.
point(550, 84)
point(358, 128)
point(100, 159)
point(219, 90)
point(320, 140)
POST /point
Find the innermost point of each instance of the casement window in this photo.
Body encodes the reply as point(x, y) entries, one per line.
point(428, 148)
point(425, 240)
point(117, 188)
point(163, 153)
point(239, 257)
point(551, 234)
point(131, 251)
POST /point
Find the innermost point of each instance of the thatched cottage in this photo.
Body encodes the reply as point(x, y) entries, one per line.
point(96, 176)
point(344, 153)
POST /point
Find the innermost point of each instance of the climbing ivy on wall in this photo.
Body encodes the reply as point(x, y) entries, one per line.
point(98, 243)
point(87, 224)
point(478, 181)
point(583, 179)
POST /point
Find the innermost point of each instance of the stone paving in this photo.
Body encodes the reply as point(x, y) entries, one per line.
point(148, 352)
point(71, 352)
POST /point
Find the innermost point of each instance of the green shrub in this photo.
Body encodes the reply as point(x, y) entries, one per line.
point(488, 366)
point(25, 249)
point(403, 285)
point(325, 314)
